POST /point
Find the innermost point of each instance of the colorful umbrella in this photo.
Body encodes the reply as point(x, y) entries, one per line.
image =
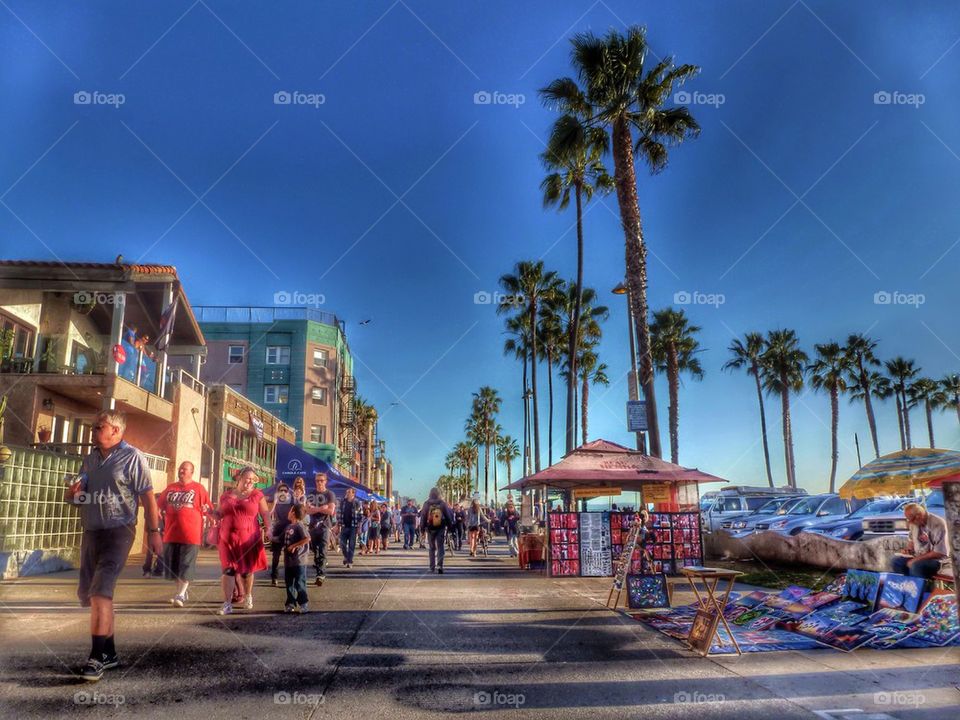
point(901, 472)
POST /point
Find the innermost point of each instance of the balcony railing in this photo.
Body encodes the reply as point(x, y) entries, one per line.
point(158, 463)
point(231, 314)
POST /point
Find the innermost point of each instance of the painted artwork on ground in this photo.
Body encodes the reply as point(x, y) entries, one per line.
point(836, 585)
point(937, 624)
point(901, 592)
point(819, 599)
point(846, 637)
point(862, 585)
point(890, 626)
point(647, 591)
point(793, 592)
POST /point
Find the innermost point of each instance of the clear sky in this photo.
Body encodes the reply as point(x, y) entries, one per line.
point(384, 186)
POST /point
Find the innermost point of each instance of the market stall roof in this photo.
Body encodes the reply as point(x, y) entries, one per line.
point(601, 463)
point(901, 472)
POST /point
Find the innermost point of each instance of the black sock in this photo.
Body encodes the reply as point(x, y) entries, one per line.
point(108, 649)
point(97, 647)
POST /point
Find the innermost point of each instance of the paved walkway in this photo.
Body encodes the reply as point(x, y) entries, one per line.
point(387, 640)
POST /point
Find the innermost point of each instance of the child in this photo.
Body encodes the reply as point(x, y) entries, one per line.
point(295, 542)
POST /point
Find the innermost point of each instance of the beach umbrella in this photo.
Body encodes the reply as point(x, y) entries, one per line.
point(901, 472)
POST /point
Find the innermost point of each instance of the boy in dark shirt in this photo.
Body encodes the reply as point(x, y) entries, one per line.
point(295, 541)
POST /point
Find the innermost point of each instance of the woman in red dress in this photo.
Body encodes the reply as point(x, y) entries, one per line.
point(241, 539)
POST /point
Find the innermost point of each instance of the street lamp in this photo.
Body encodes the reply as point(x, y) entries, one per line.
point(622, 289)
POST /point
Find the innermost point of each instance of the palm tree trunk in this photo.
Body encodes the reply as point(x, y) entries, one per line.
point(673, 378)
point(834, 423)
point(550, 420)
point(903, 438)
point(579, 419)
point(763, 424)
point(526, 422)
point(533, 384)
point(906, 420)
point(574, 331)
point(636, 265)
point(486, 473)
point(583, 406)
point(929, 422)
point(868, 404)
point(787, 433)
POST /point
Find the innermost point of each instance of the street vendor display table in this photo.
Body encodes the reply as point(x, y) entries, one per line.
point(706, 628)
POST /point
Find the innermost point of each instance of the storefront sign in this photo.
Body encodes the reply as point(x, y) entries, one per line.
point(636, 415)
point(581, 493)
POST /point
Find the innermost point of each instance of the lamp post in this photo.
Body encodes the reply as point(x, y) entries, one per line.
point(622, 289)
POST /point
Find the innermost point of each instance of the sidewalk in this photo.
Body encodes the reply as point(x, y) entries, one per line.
point(385, 639)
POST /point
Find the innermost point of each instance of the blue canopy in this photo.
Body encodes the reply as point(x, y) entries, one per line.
point(293, 462)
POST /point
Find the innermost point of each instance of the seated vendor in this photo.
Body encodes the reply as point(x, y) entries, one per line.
point(928, 548)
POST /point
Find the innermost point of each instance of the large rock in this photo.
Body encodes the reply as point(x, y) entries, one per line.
point(807, 549)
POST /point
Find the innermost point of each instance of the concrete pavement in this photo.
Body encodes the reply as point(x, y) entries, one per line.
point(385, 639)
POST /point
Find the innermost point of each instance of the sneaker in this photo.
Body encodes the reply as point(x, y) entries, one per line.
point(319, 581)
point(92, 671)
point(146, 573)
point(289, 608)
point(225, 609)
point(274, 582)
point(303, 609)
point(349, 564)
point(440, 570)
point(178, 601)
point(110, 662)
point(248, 602)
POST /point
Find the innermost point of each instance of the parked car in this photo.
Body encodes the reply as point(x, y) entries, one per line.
point(750, 524)
point(893, 522)
point(808, 511)
point(739, 520)
point(736, 500)
point(851, 526)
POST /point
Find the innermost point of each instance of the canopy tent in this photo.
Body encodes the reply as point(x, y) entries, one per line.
point(901, 472)
point(606, 465)
point(293, 462)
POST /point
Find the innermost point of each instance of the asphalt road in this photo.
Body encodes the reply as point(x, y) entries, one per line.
point(386, 639)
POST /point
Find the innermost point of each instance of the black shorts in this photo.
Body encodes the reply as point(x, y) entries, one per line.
point(179, 561)
point(103, 553)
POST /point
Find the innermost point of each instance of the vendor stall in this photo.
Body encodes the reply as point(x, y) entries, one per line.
point(589, 543)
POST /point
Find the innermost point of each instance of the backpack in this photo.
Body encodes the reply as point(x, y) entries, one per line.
point(435, 516)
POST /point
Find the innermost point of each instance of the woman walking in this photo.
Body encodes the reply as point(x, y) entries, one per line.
point(386, 525)
point(475, 517)
point(373, 535)
point(511, 520)
point(241, 540)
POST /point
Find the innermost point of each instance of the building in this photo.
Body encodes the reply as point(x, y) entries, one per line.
point(296, 363)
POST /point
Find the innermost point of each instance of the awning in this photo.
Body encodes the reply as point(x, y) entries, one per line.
point(901, 472)
point(604, 464)
point(293, 462)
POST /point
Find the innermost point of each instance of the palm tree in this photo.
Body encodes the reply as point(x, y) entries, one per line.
point(674, 349)
point(473, 427)
point(860, 349)
point(902, 372)
point(592, 372)
point(486, 405)
point(618, 96)
point(574, 168)
point(532, 284)
point(783, 363)
point(519, 346)
point(931, 394)
point(365, 422)
point(551, 343)
point(507, 452)
point(829, 372)
point(746, 354)
point(951, 389)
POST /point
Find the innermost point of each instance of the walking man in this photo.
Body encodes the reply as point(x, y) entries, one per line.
point(114, 479)
point(408, 519)
point(184, 505)
point(435, 518)
point(349, 514)
point(321, 520)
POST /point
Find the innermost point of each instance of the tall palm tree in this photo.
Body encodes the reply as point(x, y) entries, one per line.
point(860, 349)
point(746, 354)
point(518, 345)
point(931, 394)
point(473, 427)
point(829, 372)
point(551, 343)
point(574, 169)
point(951, 389)
point(592, 372)
point(507, 452)
point(617, 95)
point(783, 363)
point(533, 284)
point(902, 372)
point(486, 405)
point(674, 349)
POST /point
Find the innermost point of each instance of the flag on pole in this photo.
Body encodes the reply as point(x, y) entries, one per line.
point(166, 325)
point(257, 425)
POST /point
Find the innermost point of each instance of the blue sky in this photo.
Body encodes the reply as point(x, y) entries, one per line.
point(399, 197)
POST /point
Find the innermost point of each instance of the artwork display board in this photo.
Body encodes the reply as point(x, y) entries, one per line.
point(595, 557)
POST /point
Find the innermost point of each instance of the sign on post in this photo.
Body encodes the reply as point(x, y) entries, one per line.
point(636, 415)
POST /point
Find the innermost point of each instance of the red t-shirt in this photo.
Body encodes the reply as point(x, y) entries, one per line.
point(183, 506)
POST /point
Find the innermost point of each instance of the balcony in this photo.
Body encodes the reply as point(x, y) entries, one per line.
point(261, 315)
point(348, 385)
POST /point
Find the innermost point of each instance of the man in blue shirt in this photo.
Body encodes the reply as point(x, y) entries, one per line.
point(113, 480)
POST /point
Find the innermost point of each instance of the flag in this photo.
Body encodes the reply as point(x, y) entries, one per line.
point(257, 424)
point(166, 325)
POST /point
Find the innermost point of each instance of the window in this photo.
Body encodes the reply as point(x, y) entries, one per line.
point(235, 354)
point(21, 337)
point(278, 355)
point(276, 394)
point(320, 358)
point(319, 395)
point(318, 433)
point(236, 387)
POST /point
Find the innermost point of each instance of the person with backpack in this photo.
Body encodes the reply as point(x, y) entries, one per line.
point(435, 518)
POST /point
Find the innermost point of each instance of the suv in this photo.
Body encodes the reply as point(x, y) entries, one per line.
point(808, 511)
point(748, 525)
point(737, 500)
point(739, 521)
point(894, 523)
point(851, 526)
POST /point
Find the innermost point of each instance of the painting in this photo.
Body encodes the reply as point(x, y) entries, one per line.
point(901, 592)
point(862, 585)
point(647, 591)
point(819, 599)
point(846, 637)
point(703, 630)
point(794, 592)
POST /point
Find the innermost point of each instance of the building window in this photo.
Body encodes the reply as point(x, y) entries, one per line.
point(235, 354)
point(318, 433)
point(20, 336)
point(236, 387)
point(278, 355)
point(276, 394)
point(319, 395)
point(320, 358)
point(236, 441)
